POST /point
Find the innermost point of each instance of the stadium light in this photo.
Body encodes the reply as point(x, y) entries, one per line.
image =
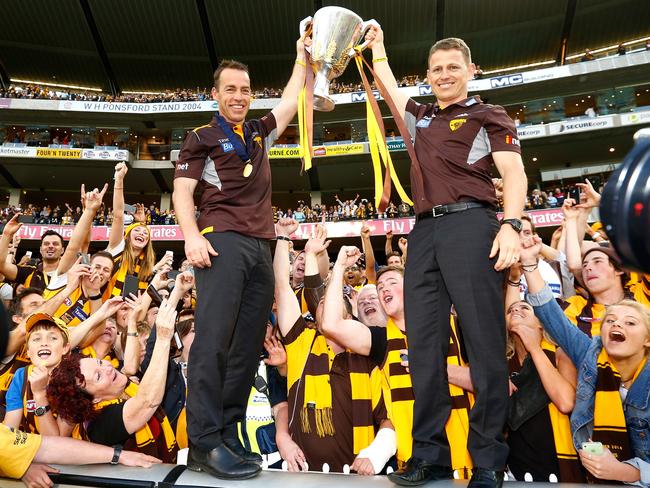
point(57, 85)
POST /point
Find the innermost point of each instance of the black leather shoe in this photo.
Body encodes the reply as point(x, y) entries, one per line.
point(235, 445)
point(222, 463)
point(485, 478)
point(418, 472)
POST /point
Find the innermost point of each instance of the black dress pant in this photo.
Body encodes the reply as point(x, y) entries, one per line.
point(448, 263)
point(234, 298)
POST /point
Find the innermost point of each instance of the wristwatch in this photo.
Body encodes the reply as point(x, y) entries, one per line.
point(117, 452)
point(514, 223)
point(42, 410)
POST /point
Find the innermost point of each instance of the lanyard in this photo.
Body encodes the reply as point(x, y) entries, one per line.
point(240, 149)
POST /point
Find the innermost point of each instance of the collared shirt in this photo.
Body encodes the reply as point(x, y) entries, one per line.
point(454, 146)
point(231, 201)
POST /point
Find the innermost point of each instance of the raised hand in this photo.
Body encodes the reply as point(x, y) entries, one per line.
point(365, 231)
point(120, 171)
point(165, 320)
point(286, 227)
point(317, 243)
point(589, 197)
point(570, 209)
point(348, 255)
point(529, 250)
point(403, 244)
point(13, 225)
point(93, 199)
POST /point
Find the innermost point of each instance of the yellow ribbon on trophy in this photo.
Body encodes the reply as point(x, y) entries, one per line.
point(379, 152)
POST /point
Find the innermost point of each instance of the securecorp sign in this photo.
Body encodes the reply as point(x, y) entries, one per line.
point(46, 152)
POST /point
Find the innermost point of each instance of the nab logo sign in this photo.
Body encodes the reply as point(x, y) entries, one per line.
point(508, 80)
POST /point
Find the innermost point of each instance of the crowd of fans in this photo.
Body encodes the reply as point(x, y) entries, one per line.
point(338, 210)
point(91, 353)
point(42, 92)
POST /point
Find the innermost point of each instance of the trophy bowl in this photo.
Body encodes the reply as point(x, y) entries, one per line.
point(335, 33)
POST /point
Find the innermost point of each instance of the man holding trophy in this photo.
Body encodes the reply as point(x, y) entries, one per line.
point(229, 249)
point(457, 253)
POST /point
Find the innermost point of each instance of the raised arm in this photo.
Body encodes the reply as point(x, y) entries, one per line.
point(380, 64)
point(560, 389)
point(388, 247)
point(351, 334)
point(571, 339)
point(86, 328)
point(285, 298)
point(140, 408)
point(288, 106)
point(366, 245)
point(80, 233)
point(117, 227)
point(7, 267)
point(573, 254)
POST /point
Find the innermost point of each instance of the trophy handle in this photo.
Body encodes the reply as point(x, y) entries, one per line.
point(364, 29)
point(305, 29)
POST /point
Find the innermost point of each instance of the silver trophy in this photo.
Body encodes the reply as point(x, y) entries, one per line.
point(335, 33)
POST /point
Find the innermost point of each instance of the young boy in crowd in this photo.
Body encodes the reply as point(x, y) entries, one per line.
point(27, 405)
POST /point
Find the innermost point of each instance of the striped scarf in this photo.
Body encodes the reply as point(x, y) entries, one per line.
point(155, 438)
point(610, 426)
point(567, 458)
point(365, 387)
point(398, 395)
point(29, 422)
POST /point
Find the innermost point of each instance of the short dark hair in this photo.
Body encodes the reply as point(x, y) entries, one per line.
point(17, 303)
point(386, 269)
point(527, 218)
point(101, 254)
point(393, 253)
point(452, 43)
point(51, 232)
point(227, 64)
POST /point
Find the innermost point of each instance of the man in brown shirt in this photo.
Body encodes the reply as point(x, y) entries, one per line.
point(229, 248)
point(453, 258)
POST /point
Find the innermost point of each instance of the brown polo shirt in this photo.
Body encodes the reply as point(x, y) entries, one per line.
point(231, 201)
point(454, 146)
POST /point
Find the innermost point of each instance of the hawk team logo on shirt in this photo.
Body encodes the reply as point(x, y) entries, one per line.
point(258, 139)
point(227, 146)
point(512, 140)
point(456, 124)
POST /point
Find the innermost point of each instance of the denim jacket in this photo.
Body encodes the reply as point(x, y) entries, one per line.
point(583, 352)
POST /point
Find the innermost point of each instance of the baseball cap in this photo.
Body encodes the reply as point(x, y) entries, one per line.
point(35, 318)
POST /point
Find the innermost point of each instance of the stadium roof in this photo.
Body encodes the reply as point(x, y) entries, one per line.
point(152, 45)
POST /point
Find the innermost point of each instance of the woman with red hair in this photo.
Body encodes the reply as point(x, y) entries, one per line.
point(111, 410)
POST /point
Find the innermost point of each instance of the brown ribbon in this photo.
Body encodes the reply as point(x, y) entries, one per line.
point(417, 181)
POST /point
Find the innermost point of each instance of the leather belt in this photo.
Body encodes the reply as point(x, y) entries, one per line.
point(440, 210)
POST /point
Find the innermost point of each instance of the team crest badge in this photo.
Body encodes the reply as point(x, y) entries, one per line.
point(456, 124)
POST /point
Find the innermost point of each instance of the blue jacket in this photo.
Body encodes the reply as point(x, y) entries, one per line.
point(584, 352)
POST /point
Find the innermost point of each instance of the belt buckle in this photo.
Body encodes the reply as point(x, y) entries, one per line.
point(435, 213)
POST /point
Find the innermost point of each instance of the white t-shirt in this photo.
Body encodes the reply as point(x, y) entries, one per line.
point(549, 275)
